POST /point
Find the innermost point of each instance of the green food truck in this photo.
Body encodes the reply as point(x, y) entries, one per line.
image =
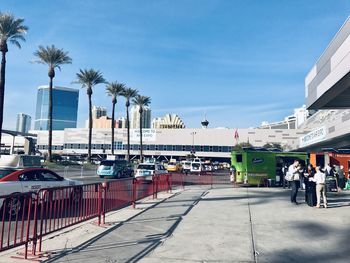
point(256, 166)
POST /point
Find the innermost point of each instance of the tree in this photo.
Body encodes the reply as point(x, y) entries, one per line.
point(53, 58)
point(242, 145)
point(114, 90)
point(128, 94)
point(88, 78)
point(141, 102)
point(12, 30)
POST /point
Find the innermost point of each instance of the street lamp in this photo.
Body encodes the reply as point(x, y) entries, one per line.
point(193, 134)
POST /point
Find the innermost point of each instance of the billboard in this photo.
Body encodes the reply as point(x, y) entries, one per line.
point(148, 135)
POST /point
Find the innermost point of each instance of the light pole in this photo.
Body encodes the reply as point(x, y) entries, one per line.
point(193, 134)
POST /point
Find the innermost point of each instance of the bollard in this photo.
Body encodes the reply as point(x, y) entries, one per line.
point(134, 182)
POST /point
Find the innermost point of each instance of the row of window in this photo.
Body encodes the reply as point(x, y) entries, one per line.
point(146, 147)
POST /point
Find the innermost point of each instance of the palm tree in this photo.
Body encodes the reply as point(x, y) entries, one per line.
point(128, 94)
point(114, 90)
point(53, 58)
point(12, 30)
point(141, 102)
point(89, 78)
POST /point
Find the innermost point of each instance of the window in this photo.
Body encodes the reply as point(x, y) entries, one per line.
point(48, 176)
point(239, 158)
point(174, 147)
point(29, 176)
point(183, 148)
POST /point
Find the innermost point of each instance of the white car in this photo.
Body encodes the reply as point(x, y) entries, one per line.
point(29, 180)
point(147, 170)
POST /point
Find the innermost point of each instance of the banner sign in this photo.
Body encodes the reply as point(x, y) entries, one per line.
point(314, 136)
point(148, 135)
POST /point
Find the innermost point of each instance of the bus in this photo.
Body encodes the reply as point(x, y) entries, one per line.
point(252, 166)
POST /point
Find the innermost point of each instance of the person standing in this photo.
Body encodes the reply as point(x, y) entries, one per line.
point(295, 182)
point(310, 186)
point(320, 180)
point(341, 178)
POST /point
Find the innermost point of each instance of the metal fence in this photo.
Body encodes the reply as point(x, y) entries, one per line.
point(28, 217)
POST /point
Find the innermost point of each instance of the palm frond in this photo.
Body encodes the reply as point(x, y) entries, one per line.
point(115, 89)
point(89, 78)
point(12, 29)
point(141, 101)
point(52, 56)
point(129, 93)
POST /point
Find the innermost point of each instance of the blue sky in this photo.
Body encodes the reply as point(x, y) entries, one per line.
point(240, 62)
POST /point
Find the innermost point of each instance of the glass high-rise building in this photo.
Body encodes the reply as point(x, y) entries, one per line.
point(23, 123)
point(64, 109)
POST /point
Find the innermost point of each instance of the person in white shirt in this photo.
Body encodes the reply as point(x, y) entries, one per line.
point(295, 183)
point(320, 180)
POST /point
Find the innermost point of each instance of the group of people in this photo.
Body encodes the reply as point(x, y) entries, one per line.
point(314, 181)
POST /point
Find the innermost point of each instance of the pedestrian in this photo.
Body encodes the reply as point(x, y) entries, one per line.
point(293, 170)
point(341, 178)
point(320, 180)
point(310, 186)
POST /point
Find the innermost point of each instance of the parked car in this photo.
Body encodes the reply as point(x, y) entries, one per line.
point(147, 170)
point(186, 166)
point(30, 180)
point(196, 167)
point(173, 167)
point(115, 168)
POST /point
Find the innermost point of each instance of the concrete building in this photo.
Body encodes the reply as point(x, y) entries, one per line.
point(167, 143)
point(65, 108)
point(103, 122)
point(327, 89)
point(135, 117)
point(121, 123)
point(287, 124)
point(169, 121)
point(24, 122)
point(98, 112)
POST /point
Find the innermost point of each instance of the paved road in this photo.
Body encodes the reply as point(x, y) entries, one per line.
point(225, 225)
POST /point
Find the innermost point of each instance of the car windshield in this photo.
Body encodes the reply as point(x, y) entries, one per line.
point(146, 167)
point(107, 163)
point(4, 172)
point(172, 164)
point(195, 165)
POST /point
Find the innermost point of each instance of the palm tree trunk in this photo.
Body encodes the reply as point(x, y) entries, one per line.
point(112, 127)
point(2, 90)
point(49, 157)
point(141, 155)
point(128, 133)
point(90, 127)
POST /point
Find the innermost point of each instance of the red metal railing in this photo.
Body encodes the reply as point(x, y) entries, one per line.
point(16, 220)
point(28, 217)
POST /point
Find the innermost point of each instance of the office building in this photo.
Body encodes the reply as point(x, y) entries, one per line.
point(64, 108)
point(135, 117)
point(169, 121)
point(103, 122)
point(121, 123)
point(209, 143)
point(98, 112)
point(23, 123)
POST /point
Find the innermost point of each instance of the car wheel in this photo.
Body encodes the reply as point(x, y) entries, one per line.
point(77, 195)
point(13, 206)
point(101, 176)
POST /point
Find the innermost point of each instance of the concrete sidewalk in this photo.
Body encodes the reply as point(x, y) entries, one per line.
point(219, 225)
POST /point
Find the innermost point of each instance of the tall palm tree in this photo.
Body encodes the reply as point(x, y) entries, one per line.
point(114, 89)
point(12, 30)
point(53, 58)
point(128, 94)
point(88, 78)
point(141, 102)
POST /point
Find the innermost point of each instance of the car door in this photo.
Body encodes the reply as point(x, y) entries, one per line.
point(30, 181)
point(51, 179)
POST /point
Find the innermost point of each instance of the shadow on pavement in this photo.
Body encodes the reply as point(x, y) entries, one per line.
point(147, 243)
